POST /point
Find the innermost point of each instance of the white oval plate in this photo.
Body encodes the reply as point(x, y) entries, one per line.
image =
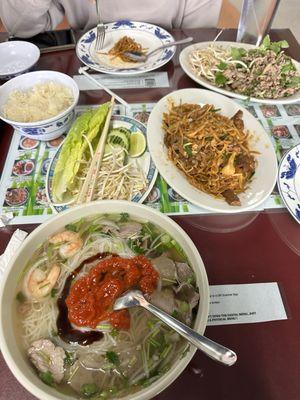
point(17, 57)
point(264, 178)
point(288, 181)
point(185, 64)
point(148, 35)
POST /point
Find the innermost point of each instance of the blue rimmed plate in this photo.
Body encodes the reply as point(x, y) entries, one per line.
point(145, 161)
point(288, 181)
point(148, 35)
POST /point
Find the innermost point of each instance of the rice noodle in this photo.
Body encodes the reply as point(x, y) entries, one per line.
point(42, 101)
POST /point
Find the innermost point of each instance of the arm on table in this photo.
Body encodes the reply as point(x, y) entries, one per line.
point(28, 18)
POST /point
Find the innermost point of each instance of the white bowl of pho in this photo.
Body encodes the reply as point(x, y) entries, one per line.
point(58, 332)
point(39, 105)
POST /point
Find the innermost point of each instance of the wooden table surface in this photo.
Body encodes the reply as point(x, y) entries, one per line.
point(259, 247)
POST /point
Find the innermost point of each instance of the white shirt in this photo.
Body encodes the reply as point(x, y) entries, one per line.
point(27, 18)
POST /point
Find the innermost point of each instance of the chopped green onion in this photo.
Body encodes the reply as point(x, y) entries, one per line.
point(165, 238)
point(20, 297)
point(89, 389)
point(166, 351)
point(188, 149)
point(114, 332)
point(47, 378)
point(54, 292)
point(134, 245)
point(112, 357)
point(69, 359)
point(71, 227)
point(124, 217)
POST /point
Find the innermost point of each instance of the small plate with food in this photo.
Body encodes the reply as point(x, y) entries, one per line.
point(28, 143)
point(16, 196)
point(23, 167)
point(127, 171)
point(264, 74)
point(288, 181)
point(211, 151)
point(121, 37)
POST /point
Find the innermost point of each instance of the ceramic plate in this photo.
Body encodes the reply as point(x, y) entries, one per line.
point(289, 181)
point(264, 178)
point(148, 35)
point(145, 161)
point(185, 64)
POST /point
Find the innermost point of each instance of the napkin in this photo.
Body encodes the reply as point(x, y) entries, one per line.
point(13, 245)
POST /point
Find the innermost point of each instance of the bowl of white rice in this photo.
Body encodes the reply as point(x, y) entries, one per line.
point(40, 104)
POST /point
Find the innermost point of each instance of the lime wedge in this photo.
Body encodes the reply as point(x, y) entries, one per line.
point(137, 144)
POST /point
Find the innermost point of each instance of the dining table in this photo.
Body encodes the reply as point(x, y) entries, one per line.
point(252, 247)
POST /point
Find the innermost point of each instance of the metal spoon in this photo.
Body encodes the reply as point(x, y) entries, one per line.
point(214, 350)
point(140, 57)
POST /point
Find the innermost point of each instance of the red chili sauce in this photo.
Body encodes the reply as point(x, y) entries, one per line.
point(91, 298)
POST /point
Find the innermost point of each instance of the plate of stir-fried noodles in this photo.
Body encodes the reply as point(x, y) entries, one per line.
point(122, 37)
point(211, 151)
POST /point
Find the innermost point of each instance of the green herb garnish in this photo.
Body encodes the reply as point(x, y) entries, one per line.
point(223, 65)
point(220, 79)
point(20, 297)
point(237, 53)
point(294, 81)
point(135, 246)
point(188, 149)
point(72, 227)
point(114, 332)
point(54, 292)
point(287, 68)
point(47, 378)
point(69, 359)
point(273, 46)
point(89, 389)
point(112, 357)
point(124, 217)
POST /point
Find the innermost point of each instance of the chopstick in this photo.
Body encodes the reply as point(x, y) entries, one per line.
point(83, 71)
point(88, 188)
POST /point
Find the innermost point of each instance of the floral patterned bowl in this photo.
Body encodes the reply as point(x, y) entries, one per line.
point(50, 128)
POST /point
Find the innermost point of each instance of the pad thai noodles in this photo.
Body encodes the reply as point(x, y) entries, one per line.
point(126, 44)
point(210, 149)
point(69, 331)
point(264, 72)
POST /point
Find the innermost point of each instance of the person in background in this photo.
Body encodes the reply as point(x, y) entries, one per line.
point(28, 18)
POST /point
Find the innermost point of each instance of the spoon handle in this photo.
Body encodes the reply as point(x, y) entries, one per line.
point(212, 349)
point(186, 40)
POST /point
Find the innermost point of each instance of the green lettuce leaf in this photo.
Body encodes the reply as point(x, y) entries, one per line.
point(90, 124)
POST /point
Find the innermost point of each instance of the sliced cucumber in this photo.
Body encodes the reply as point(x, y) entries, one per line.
point(108, 149)
point(119, 137)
